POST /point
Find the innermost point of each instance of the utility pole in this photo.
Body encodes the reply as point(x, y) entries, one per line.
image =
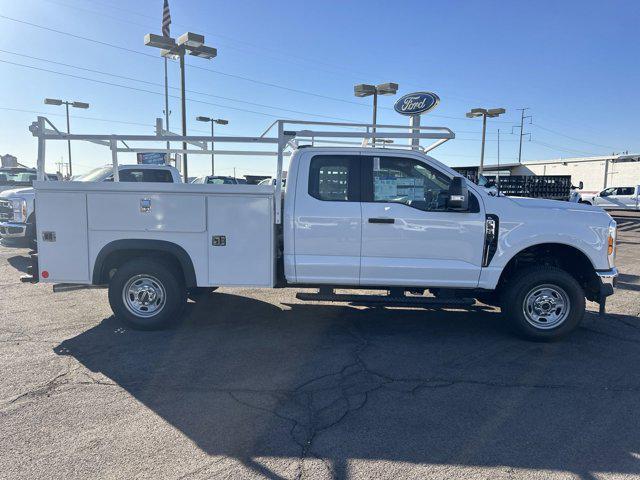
point(498, 172)
point(522, 133)
point(166, 109)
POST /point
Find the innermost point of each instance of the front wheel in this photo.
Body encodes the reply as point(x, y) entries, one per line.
point(147, 294)
point(544, 303)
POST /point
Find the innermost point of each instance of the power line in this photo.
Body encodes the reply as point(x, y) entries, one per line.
point(103, 82)
point(568, 150)
point(573, 138)
point(218, 72)
point(161, 85)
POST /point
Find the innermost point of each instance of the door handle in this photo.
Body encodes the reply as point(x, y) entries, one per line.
point(382, 220)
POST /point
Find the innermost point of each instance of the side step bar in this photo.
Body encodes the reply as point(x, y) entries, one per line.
point(70, 287)
point(392, 300)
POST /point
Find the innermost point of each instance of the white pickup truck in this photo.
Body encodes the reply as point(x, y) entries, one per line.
point(615, 198)
point(354, 217)
point(17, 212)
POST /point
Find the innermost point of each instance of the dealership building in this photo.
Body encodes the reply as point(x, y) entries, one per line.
point(597, 173)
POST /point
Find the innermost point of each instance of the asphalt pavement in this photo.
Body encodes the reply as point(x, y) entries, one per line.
point(256, 384)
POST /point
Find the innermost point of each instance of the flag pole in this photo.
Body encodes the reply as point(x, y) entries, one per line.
point(166, 109)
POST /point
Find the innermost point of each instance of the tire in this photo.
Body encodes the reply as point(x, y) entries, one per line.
point(528, 303)
point(586, 202)
point(198, 293)
point(147, 294)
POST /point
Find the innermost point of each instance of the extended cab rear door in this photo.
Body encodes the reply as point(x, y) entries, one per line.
point(409, 238)
point(327, 219)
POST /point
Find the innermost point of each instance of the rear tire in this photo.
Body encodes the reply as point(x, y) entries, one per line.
point(147, 294)
point(543, 303)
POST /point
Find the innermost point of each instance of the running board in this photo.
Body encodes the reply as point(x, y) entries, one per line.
point(386, 300)
point(70, 287)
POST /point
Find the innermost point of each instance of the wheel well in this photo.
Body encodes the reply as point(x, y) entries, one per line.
point(116, 254)
point(566, 257)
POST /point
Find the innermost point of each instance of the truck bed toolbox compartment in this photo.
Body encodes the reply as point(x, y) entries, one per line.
point(241, 238)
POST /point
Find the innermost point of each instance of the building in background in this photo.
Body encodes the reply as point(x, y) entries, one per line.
point(597, 173)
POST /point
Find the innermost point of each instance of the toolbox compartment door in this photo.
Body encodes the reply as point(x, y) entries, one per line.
point(241, 240)
point(61, 220)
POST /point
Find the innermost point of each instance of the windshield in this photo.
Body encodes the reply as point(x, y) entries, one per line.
point(17, 177)
point(94, 175)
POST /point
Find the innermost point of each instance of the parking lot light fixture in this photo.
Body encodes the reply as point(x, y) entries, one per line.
point(213, 121)
point(188, 43)
point(58, 102)
point(484, 113)
point(366, 90)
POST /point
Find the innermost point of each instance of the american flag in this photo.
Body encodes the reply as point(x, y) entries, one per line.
point(166, 19)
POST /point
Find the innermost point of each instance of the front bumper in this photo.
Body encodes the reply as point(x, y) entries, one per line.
point(13, 230)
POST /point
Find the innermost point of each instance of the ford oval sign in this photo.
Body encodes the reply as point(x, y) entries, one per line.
point(416, 103)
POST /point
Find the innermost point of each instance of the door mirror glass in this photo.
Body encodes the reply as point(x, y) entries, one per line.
point(458, 194)
point(581, 185)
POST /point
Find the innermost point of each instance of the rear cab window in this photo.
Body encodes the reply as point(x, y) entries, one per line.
point(335, 178)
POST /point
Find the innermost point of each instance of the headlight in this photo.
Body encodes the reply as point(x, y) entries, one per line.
point(19, 210)
point(611, 243)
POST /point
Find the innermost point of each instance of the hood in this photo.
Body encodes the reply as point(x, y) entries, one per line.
point(548, 204)
point(18, 192)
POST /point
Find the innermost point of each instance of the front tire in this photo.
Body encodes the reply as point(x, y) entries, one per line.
point(147, 294)
point(543, 303)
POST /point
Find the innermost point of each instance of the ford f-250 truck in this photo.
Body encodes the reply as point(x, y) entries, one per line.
point(352, 218)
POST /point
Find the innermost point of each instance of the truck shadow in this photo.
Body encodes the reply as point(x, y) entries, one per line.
point(250, 379)
point(19, 262)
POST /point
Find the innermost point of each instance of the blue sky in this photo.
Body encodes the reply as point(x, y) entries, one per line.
point(573, 63)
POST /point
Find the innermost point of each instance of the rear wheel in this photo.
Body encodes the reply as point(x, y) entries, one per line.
point(147, 294)
point(544, 303)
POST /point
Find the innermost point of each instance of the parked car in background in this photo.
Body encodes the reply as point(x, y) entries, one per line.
point(272, 181)
point(217, 180)
point(17, 215)
point(16, 204)
point(615, 198)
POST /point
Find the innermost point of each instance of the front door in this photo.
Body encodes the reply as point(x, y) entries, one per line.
point(409, 238)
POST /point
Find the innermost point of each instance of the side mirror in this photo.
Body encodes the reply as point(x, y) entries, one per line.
point(458, 195)
point(581, 185)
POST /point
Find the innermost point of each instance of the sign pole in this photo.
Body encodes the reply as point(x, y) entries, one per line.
point(414, 123)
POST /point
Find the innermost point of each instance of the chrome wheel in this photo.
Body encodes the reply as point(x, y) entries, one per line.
point(144, 296)
point(546, 306)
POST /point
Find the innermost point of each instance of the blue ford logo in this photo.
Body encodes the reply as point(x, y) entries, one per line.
point(416, 103)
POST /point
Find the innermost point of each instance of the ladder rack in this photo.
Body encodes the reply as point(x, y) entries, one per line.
point(288, 135)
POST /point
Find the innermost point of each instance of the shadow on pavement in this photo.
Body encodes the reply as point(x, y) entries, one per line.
point(248, 379)
point(19, 262)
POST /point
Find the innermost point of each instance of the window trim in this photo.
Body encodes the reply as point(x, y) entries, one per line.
point(367, 184)
point(354, 192)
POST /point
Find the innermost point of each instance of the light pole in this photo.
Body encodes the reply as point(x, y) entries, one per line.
point(55, 101)
point(484, 113)
point(365, 90)
point(213, 121)
point(193, 44)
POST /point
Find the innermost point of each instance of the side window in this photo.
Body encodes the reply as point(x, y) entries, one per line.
point(625, 191)
point(410, 182)
point(608, 191)
point(335, 178)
